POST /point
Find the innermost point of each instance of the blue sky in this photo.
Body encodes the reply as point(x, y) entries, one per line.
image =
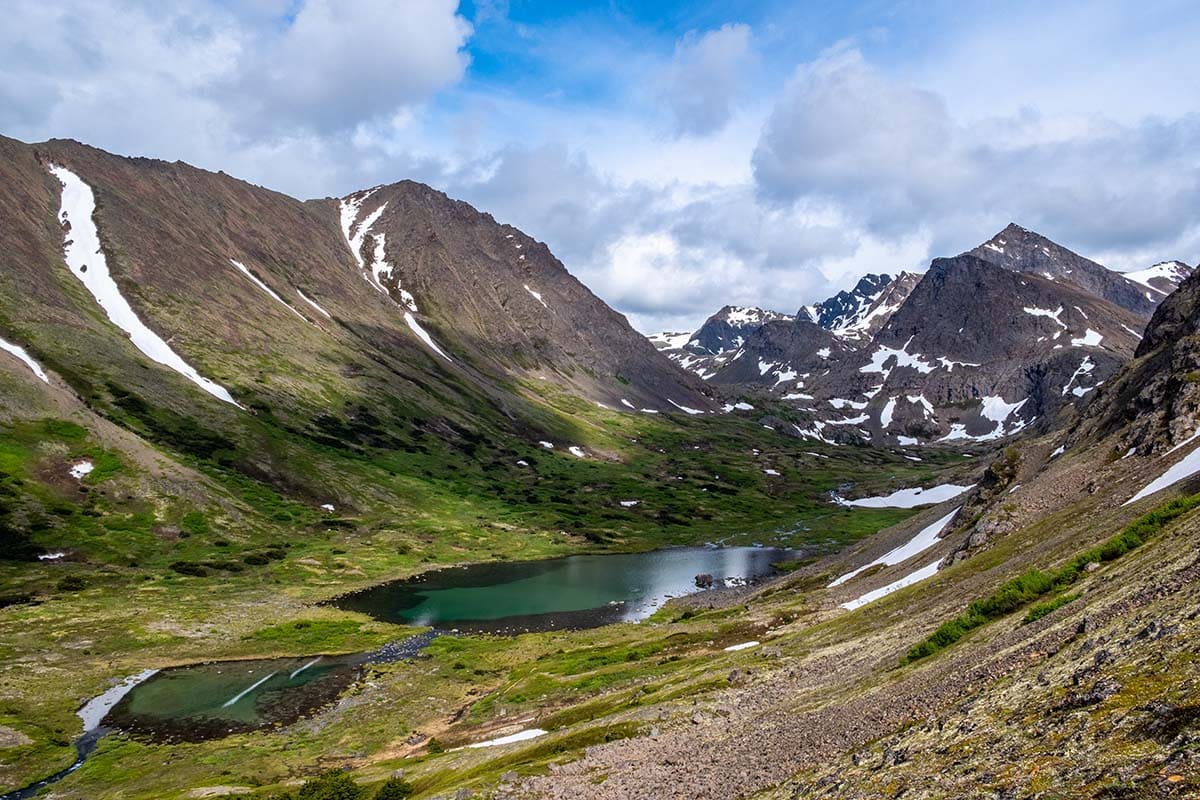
point(676, 155)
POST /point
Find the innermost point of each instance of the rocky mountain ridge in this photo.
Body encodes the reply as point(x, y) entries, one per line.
point(975, 349)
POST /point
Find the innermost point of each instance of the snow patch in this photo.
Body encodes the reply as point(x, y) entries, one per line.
point(523, 736)
point(356, 235)
point(682, 408)
point(733, 648)
point(668, 340)
point(910, 498)
point(81, 470)
point(424, 336)
point(998, 410)
point(313, 303)
point(242, 269)
point(925, 538)
point(1090, 339)
point(1132, 331)
point(536, 295)
point(630, 503)
point(576, 451)
point(20, 353)
point(921, 574)
point(1042, 312)
point(1186, 467)
point(95, 710)
point(885, 416)
point(81, 249)
point(1085, 368)
point(950, 365)
point(903, 358)
point(1171, 271)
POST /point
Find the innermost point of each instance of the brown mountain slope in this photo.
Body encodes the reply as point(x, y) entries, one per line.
point(172, 233)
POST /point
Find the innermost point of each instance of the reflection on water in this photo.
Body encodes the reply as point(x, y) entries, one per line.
point(572, 592)
point(206, 700)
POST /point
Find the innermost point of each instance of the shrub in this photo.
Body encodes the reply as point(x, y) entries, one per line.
point(1042, 609)
point(72, 583)
point(331, 785)
point(394, 789)
point(189, 568)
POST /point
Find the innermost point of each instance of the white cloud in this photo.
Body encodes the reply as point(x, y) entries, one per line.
point(339, 63)
point(224, 87)
point(706, 77)
point(894, 160)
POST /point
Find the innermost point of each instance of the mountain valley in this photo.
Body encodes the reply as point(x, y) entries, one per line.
point(943, 526)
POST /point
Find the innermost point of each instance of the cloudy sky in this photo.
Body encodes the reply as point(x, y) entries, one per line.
point(677, 155)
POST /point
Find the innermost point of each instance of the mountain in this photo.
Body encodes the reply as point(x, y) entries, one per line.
point(394, 284)
point(979, 347)
point(853, 315)
point(726, 330)
point(860, 312)
point(1153, 403)
point(781, 355)
point(704, 351)
point(1021, 250)
point(978, 352)
point(1162, 278)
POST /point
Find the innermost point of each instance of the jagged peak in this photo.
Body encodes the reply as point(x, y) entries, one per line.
point(746, 315)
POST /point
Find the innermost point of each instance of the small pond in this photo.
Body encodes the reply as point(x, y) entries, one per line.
point(206, 701)
point(573, 592)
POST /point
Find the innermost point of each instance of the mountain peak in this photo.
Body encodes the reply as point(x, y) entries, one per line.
point(1019, 249)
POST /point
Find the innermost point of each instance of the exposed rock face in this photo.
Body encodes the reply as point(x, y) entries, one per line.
point(972, 331)
point(721, 335)
point(1158, 395)
point(727, 329)
point(503, 295)
point(845, 309)
point(1021, 250)
point(782, 355)
point(975, 352)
